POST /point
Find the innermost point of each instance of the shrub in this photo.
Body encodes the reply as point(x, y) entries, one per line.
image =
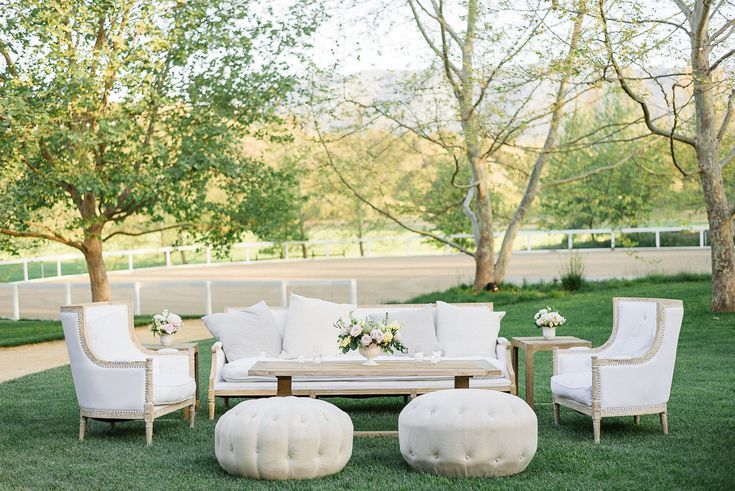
point(572, 275)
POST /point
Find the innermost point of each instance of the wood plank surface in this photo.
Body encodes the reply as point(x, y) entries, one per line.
point(385, 368)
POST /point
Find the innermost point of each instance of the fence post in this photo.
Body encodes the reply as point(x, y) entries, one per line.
point(326, 250)
point(16, 302)
point(25, 269)
point(168, 258)
point(130, 261)
point(612, 239)
point(701, 238)
point(368, 249)
point(136, 298)
point(67, 293)
point(570, 241)
point(658, 239)
point(209, 255)
point(528, 241)
point(58, 267)
point(283, 293)
point(285, 250)
point(353, 292)
point(208, 296)
point(247, 253)
point(408, 247)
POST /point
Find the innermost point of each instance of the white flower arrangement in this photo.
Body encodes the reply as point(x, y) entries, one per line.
point(166, 323)
point(355, 333)
point(549, 317)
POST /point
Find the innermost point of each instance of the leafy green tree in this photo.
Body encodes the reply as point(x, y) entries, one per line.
point(112, 110)
point(621, 193)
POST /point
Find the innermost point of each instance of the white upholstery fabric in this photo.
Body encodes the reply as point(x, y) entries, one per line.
point(283, 438)
point(468, 432)
point(575, 386)
point(247, 332)
point(467, 330)
point(636, 329)
point(170, 389)
point(108, 333)
point(311, 321)
point(417, 325)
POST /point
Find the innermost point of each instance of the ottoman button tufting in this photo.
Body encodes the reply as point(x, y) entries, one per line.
point(302, 425)
point(501, 430)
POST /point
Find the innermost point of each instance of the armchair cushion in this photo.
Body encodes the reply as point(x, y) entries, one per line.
point(246, 333)
point(576, 386)
point(310, 322)
point(417, 325)
point(170, 389)
point(467, 330)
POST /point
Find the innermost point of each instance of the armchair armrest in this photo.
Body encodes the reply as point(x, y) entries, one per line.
point(173, 362)
point(623, 381)
point(114, 385)
point(572, 360)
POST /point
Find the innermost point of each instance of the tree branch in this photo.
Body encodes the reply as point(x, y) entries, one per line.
point(146, 232)
point(53, 236)
point(728, 115)
point(9, 65)
point(590, 173)
point(720, 60)
point(627, 89)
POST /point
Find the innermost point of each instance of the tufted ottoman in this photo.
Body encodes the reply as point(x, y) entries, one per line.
point(468, 432)
point(283, 438)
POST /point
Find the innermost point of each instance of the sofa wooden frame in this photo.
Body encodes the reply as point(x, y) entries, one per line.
point(150, 411)
point(595, 411)
point(217, 352)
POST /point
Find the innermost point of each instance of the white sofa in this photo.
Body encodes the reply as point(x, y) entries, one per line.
point(231, 379)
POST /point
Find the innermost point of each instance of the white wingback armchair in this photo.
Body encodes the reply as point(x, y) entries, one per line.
point(631, 373)
point(115, 378)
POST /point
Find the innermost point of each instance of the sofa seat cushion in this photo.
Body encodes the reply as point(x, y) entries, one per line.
point(170, 389)
point(576, 386)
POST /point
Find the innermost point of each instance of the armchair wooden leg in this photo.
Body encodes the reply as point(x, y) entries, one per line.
point(596, 429)
point(664, 422)
point(557, 418)
point(637, 419)
point(192, 414)
point(149, 433)
point(82, 427)
point(210, 401)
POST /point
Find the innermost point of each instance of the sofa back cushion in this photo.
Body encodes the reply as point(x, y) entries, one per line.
point(467, 330)
point(417, 325)
point(310, 322)
point(246, 332)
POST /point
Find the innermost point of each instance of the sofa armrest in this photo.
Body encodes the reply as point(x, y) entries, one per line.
point(502, 351)
point(218, 362)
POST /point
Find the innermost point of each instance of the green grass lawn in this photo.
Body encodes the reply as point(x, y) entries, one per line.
point(39, 421)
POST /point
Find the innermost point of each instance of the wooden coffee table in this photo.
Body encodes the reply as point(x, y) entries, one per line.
point(461, 370)
point(530, 345)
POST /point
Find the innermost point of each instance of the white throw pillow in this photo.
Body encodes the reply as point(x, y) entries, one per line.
point(310, 322)
point(417, 326)
point(467, 330)
point(246, 333)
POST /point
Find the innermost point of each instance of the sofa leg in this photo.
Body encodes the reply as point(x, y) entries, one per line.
point(664, 422)
point(148, 433)
point(557, 418)
point(82, 427)
point(596, 429)
point(637, 419)
point(192, 414)
point(227, 402)
point(405, 399)
point(112, 425)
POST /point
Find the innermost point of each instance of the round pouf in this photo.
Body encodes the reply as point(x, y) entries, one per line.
point(283, 438)
point(468, 432)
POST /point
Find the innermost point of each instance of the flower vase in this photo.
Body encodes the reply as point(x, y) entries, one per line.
point(549, 332)
point(369, 352)
point(166, 339)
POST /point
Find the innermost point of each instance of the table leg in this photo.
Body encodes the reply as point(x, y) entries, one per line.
point(284, 386)
point(529, 378)
point(461, 382)
point(514, 363)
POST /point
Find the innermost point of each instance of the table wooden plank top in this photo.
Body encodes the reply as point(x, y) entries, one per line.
point(384, 368)
point(540, 343)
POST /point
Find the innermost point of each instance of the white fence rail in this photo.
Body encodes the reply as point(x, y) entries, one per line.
point(527, 242)
point(207, 288)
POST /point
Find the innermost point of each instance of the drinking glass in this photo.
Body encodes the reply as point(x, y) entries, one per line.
point(418, 352)
point(316, 351)
point(436, 352)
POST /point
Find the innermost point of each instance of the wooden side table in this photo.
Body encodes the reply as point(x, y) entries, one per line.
point(531, 345)
point(190, 348)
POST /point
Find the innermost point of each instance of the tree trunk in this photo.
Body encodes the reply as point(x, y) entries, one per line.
point(506, 248)
point(92, 249)
point(707, 146)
